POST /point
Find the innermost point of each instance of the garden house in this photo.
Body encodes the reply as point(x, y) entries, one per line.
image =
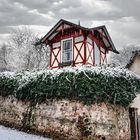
point(72, 44)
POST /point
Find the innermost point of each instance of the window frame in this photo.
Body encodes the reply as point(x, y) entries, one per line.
point(62, 42)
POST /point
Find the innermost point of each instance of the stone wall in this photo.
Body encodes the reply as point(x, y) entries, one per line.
point(67, 120)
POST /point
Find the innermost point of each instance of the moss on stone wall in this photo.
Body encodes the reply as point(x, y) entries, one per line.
point(66, 120)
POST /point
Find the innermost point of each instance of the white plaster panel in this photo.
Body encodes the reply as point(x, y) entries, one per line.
point(56, 45)
point(79, 39)
point(79, 59)
point(89, 40)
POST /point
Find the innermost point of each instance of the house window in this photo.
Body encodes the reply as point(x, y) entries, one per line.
point(97, 54)
point(67, 50)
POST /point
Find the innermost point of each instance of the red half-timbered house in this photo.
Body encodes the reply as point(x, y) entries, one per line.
point(72, 44)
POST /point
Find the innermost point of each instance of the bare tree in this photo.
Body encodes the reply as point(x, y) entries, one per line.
point(123, 58)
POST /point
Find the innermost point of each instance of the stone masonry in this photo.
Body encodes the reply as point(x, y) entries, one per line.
point(67, 120)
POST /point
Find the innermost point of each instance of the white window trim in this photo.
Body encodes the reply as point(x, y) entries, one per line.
point(62, 48)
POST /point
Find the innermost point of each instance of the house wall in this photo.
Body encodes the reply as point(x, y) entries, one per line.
point(55, 54)
point(135, 67)
point(67, 120)
point(77, 52)
point(97, 54)
point(103, 55)
point(89, 51)
point(78, 49)
point(84, 51)
point(136, 103)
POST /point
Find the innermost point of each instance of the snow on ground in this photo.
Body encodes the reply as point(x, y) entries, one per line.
point(12, 134)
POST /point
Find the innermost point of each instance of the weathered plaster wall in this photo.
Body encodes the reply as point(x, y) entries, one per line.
point(68, 120)
point(135, 67)
point(136, 103)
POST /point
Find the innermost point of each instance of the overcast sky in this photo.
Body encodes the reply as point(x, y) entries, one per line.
point(121, 17)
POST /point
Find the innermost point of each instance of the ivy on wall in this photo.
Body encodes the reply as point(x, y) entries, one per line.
point(86, 84)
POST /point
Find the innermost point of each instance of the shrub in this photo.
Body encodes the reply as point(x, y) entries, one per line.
point(86, 84)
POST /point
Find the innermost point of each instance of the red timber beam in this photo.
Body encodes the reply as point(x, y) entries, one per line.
point(73, 51)
point(92, 38)
point(78, 52)
point(90, 53)
point(85, 40)
point(85, 34)
point(78, 49)
point(51, 55)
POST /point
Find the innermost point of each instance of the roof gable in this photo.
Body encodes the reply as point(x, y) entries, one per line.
point(66, 24)
point(58, 27)
point(108, 41)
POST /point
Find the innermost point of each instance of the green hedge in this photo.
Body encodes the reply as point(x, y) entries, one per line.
point(8, 83)
point(86, 84)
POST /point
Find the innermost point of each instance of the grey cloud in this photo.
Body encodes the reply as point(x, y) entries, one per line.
point(48, 12)
point(5, 29)
point(75, 10)
point(11, 14)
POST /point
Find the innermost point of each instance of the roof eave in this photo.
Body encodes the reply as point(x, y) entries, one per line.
point(57, 25)
point(115, 51)
point(110, 40)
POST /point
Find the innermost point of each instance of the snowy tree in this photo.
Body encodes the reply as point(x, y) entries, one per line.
point(42, 56)
point(124, 55)
point(27, 56)
point(3, 57)
point(21, 40)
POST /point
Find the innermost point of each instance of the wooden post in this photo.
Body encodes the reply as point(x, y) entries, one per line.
point(133, 123)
